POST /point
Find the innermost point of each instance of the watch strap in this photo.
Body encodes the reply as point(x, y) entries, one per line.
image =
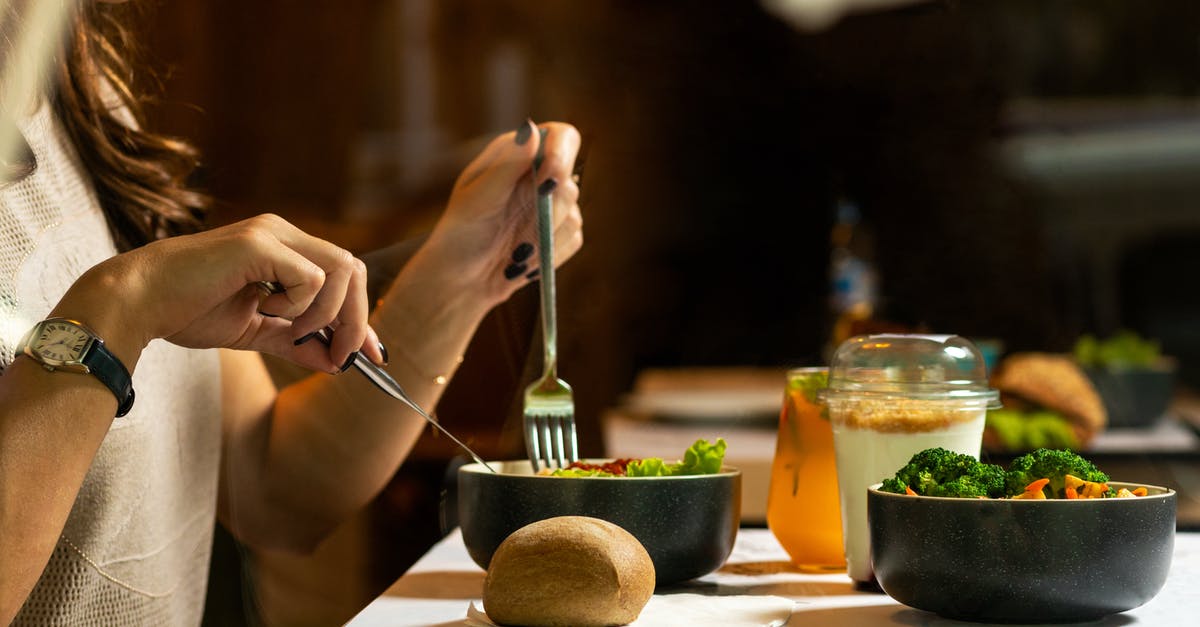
point(112, 373)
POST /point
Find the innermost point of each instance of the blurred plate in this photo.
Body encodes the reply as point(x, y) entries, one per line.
point(708, 394)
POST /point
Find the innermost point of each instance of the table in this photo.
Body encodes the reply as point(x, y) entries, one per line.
point(439, 587)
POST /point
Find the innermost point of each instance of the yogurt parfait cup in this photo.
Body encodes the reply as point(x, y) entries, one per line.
point(889, 397)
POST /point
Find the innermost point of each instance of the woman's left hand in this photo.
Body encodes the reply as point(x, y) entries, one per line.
point(490, 223)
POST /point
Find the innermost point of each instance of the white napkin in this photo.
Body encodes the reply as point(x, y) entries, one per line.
point(670, 610)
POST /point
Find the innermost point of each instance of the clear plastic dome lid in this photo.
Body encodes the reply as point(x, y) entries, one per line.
point(932, 367)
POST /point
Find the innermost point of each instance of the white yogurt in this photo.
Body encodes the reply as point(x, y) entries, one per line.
point(866, 456)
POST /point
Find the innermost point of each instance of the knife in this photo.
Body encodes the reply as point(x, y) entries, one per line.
point(381, 379)
point(385, 382)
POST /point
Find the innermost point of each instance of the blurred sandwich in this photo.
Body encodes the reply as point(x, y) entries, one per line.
point(1048, 402)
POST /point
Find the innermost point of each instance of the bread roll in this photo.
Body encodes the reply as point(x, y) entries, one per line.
point(1053, 382)
point(569, 571)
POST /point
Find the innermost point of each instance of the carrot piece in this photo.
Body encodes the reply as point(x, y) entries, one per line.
point(1142, 491)
point(909, 491)
point(1072, 494)
point(1037, 485)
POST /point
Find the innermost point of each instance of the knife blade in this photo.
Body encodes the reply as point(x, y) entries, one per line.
point(391, 387)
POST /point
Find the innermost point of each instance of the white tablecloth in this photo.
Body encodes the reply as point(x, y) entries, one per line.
point(439, 588)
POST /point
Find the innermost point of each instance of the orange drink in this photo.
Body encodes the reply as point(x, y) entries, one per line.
point(803, 509)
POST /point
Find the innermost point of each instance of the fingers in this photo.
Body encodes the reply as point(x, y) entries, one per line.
point(566, 200)
point(342, 299)
point(567, 222)
point(568, 235)
point(558, 155)
point(492, 176)
point(322, 285)
point(568, 239)
point(273, 336)
point(298, 279)
point(508, 156)
point(492, 208)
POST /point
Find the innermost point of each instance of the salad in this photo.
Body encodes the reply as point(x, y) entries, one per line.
point(701, 458)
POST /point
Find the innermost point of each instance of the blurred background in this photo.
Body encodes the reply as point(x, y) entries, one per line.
point(760, 181)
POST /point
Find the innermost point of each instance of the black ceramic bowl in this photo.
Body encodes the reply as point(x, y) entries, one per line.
point(1135, 397)
point(1016, 561)
point(687, 524)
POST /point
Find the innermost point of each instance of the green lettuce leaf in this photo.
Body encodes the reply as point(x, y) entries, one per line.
point(649, 467)
point(701, 458)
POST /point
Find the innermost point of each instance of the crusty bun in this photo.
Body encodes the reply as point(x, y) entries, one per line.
point(1053, 382)
point(569, 571)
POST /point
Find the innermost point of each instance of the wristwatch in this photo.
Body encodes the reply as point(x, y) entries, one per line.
point(63, 344)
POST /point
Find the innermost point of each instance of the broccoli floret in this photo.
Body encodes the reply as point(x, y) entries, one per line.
point(981, 480)
point(1052, 464)
point(940, 472)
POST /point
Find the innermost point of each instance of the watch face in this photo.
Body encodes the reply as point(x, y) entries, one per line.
point(61, 342)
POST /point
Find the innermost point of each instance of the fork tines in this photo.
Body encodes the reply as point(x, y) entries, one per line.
point(550, 439)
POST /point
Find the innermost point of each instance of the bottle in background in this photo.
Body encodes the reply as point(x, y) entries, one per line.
point(853, 280)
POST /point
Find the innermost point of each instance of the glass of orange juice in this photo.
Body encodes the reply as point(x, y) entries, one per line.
point(803, 509)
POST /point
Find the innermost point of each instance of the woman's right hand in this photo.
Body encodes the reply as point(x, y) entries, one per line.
point(203, 291)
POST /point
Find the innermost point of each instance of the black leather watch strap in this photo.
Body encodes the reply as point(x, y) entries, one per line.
point(112, 373)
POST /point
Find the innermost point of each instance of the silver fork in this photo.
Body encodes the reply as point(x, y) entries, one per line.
point(549, 404)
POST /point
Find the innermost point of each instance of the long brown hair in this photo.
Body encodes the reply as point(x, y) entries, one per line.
point(141, 178)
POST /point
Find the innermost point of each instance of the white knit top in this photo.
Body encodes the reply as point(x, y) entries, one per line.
point(136, 546)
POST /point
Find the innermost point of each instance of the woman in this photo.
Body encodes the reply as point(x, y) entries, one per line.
point(109, 519)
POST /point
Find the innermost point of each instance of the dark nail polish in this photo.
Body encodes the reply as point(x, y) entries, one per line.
point(533, 274)
point(383, 351)
point(514, 270)
point(547, 187)
point(522, 252)
point(304, 338)
point(349, 362)
point(524, 132)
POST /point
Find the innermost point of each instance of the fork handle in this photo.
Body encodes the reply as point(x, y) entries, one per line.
point(545, 208)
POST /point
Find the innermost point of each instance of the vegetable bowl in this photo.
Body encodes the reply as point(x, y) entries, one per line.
point(1134, 379)
point(1018, 560)
point(686, 522)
